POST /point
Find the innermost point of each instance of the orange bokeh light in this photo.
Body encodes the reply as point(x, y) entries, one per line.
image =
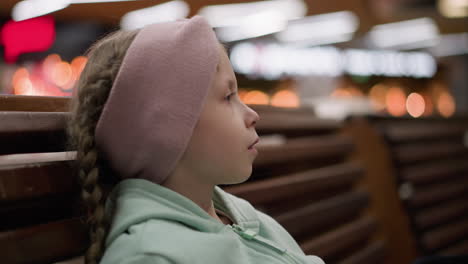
point(395, 101)
point(256, 97)
point(49, 63)
point(377, 96)
point(23, 86)
point(415, 105)
point(61, 73)
point(242, 93)
point(78, 65)
point(285, 98)
point(446, 104)
point(19, 75)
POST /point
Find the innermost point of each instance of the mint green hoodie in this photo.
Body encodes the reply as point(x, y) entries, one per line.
point(153, 224)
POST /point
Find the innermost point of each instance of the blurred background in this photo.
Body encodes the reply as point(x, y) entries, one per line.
point(363, 154)
point(389, 57)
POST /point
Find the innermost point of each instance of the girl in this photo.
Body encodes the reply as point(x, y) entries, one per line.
point(156, 118)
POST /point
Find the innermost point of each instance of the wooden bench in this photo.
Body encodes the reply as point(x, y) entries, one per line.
point(39, 195)
point(303, 177)
point(419, 172)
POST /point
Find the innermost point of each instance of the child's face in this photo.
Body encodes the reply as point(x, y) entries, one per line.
point(218, 150)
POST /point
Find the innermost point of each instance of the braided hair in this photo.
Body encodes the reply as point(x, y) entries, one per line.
point(89, 97)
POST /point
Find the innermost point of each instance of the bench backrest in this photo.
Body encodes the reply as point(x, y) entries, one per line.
point(39, 196)
point(428, 172)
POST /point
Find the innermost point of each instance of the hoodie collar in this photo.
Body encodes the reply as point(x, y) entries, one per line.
point(133, 201)
point(242, 212)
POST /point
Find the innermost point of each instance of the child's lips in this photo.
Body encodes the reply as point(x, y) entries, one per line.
point(253, 144)
point(253, 150)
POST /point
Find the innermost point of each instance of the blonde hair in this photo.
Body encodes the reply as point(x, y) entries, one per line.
point(90, 95)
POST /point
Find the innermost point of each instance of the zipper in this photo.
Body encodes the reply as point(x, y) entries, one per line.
point(252, 236)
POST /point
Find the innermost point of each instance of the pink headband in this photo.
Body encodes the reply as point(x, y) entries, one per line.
point(157, 97)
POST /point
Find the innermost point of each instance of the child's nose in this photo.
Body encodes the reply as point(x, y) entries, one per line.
point(253, 117)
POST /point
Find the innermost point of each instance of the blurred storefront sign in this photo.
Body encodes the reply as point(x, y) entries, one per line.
point(271, 61)
point(32, 35)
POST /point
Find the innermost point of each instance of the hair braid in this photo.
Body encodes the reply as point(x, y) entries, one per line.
point(90, 95)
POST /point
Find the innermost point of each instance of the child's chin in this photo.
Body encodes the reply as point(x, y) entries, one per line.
point(237, 180)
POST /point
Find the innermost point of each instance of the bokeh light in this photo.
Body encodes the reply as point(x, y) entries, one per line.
point(61, 73)
point(20, 74)
point(415, 105)
point(285, 98)
point(377, 96)
point(256, 97)
point(48, 65)
point(78, 64)
point(446, 104)
point(395, 101)
point(23, 85)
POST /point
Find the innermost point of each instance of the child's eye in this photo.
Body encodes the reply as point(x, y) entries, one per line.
point(229, 96)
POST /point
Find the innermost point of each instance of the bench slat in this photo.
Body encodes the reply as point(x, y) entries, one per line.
point(25, 122)
point(460, 248)
point(341, 238)
point(372, 254)
point(441, 213)
point(44, 243)
point(35, 158)
point(443, 235)
point(411, 131)
point(28, 132)
point(285, 123)
point(19, 182)
point(435, 171)
point(76, 260)
point(434, 193)
point(280, 188)
point(323, 213)
point(303, 149)
point(39, 210)
point(429, 151)
point(34, 103)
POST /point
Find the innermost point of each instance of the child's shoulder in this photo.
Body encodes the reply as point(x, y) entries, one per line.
point(152, 237)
